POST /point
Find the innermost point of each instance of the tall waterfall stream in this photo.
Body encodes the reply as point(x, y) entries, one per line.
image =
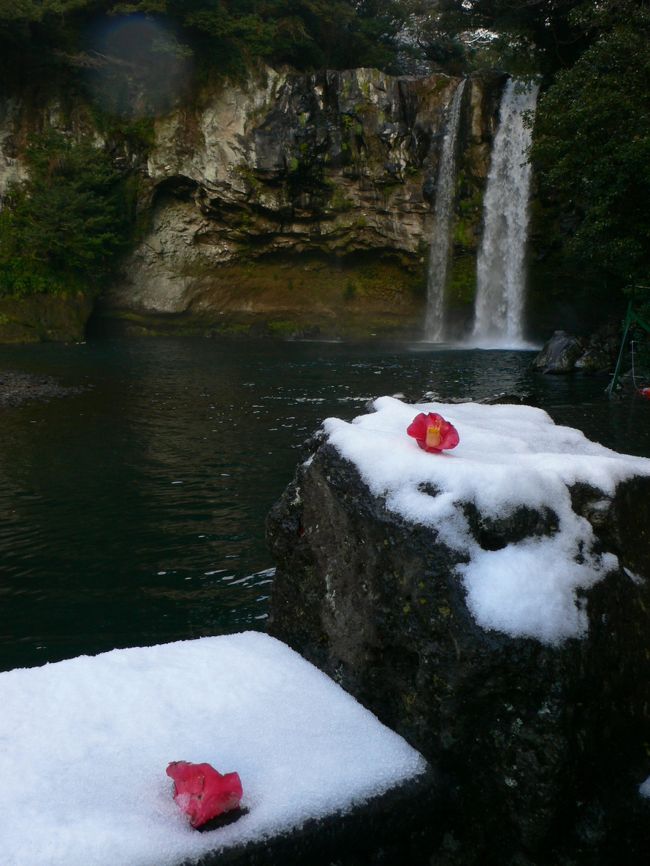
point(442, 223)
point(501, 276)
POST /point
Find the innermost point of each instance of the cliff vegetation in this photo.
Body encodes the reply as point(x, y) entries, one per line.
point(117, 111)
point(62, 229)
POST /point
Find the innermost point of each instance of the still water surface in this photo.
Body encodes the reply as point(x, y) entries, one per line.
point(133, 512)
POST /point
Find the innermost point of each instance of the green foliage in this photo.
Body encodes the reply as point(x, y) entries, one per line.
point(303, 33)
point(592, 153)
point(36, 10)
point(642, 337)
point(520, 36)
point(339, 201)
point(31, 29)
point(224, 35)
point(62, 230)
point(462, 283)
point(283, 327)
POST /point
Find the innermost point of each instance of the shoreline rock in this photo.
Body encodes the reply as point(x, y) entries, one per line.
point(17, 388)
point(44, 318)
point(565, 353)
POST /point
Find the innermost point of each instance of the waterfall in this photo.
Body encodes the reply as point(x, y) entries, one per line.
point(501, 277)
point(442, 223)
point(10, 171)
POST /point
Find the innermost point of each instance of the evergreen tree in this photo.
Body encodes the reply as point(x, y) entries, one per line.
point(62, 229)
point(592, 151)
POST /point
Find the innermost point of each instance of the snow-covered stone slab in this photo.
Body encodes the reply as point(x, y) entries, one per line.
point(84, 745)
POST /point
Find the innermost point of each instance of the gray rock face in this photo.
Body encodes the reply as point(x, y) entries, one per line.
point(331, 164)
point(540, 749)
point(560, 354)
point(601, 351)
point(564, 353)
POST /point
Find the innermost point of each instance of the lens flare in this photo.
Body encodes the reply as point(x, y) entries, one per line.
point(136, 65)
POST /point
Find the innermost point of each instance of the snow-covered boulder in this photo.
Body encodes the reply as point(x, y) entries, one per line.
point(492, 605)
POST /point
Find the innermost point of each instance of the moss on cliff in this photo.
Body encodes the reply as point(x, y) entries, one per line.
point(44, 318)
point(286, 296)
point(462, 282)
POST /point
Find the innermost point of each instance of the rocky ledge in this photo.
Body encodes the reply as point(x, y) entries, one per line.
point(44, 318)
point(491, 605)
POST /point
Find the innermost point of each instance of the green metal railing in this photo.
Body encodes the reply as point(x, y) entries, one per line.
point(631, 318)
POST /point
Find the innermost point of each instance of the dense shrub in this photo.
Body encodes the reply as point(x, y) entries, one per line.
point(592, 154)
point(62, 229)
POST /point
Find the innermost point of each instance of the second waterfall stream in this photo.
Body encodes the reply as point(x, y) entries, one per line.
point(501, 264)
point(440, 251)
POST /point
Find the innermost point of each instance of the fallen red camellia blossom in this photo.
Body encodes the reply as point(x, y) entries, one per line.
point(432, 432)
point(202, 792)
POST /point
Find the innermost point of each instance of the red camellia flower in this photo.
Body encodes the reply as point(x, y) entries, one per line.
point(202, 792)
point(432, 432)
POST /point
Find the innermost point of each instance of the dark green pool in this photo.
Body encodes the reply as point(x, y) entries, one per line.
point(133, 512)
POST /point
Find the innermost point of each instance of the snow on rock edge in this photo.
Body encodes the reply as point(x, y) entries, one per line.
point(84, 745)
point(508, 457)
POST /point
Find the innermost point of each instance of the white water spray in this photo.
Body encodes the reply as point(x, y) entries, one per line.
point(501, 276)
point(434, 327)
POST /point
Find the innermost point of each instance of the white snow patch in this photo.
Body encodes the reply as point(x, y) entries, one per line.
point(635, 578)
point(84, 745)
point(509, 456)
point(644, 788)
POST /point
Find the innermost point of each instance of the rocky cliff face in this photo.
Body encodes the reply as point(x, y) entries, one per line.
point(300, 200)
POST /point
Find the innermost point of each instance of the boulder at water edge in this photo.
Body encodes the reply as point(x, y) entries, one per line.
point(492, 606)
point(559, 354)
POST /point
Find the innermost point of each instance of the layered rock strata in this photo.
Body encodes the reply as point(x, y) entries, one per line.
point(300, 198)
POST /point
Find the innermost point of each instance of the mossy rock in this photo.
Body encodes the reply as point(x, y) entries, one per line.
point(282, 296)
point(44, 318)
point(461, 290)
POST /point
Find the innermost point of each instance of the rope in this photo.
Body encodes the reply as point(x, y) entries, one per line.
point(636, 387)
